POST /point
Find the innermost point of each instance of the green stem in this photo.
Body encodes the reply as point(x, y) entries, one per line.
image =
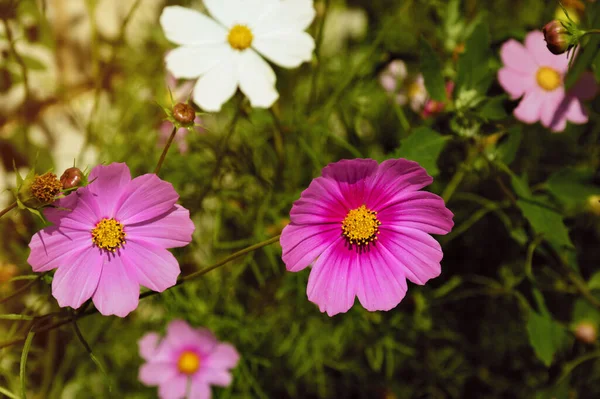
point(13, 49)
point(8, 209)
point(21, 290)
point(569, 367)
point(165, 150)
point(312, 98)
point(278, 138)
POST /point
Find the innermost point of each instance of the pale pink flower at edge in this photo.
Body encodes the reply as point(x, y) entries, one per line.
point(364, 227)
point(186, 357)
point(110, 237)
point(535, 73)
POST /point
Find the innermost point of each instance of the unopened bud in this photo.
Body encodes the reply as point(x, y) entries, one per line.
point(72, 177)
point(45, 188)
point(184, 113)
point(586, 332)
point(557, 37)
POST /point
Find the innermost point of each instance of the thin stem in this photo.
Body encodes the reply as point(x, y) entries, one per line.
point(569, 367)
point(165, 150)
point(278, 138)
point(21, 290)
point(8, 209)
point(454, 183)
point(189, 277)
point(13, 49)
point(312, 98)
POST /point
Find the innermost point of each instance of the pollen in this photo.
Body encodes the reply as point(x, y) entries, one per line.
point(109, 235)
point(188, 363)
point(240, 37)
point(361, 226)
point(46, 187)
point(548, 78)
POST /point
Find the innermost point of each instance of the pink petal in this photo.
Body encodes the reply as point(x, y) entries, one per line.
point(148, 345)
point(157, 373)
point(323, 197)
point(382, 283)
point(536, 47)
point(223, 356)
point(152, 266)
point(586, 87)
point(515, 56)
point(302, 244)
point(169, 230)
point(416, 252)
point(75, 282)
point(107, 183)
point(118, 291)
point(144, 198)
point(77, 211)
point(222, 378)
point(352, 177)
point(576, 113)
point(53, 247)
point(529, 110)
point(181, 334)
point(200, 390)
point(174, 388)
point(395, 177)
point(515, 83)
point(332, 283)
point(554, 108)
point(420, 210)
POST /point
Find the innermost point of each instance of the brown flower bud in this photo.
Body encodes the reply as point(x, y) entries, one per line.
point(71, 178)
point(586, 332)
point(557, 37)
point(45, 188)
point(184, 113)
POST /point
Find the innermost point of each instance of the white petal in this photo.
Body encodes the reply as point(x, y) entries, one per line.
point(257, 79)
point(288, 50)
point(286, 16)
point(191, 62)
point(217, 86)
point(244, 12)
point(190, 27)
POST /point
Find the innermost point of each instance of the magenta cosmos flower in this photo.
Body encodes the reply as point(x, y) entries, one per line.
point(110, 237)
point(364, 227)
point(536, 74)
point(186, 362)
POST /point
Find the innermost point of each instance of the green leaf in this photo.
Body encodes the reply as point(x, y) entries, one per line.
point(594, 282)
point(493, 109)
point(584, 311)
point(473, 71)
point(507, 150)
point(572, 186)
point(23, 365)
point(32, 63)
point(546, 222)
point(546, 336)
point(586, 55)
point(424, 146)
point(431, 68)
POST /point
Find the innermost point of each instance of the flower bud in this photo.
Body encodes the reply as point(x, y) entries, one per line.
point(184, 113)
point(586, 332)
point(557, 37)
point(72, 177)
point(593, 204)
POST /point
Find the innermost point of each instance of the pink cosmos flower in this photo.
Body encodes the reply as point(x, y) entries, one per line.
point(536, 74)
point(364, 227)
point(186, 362)
point(110, 237)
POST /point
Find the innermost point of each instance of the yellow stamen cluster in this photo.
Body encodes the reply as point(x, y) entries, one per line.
point(109, 235)
point(188, 363)
point(361, 226)
point(240, 37)
point(46, 187)
point(548, 78)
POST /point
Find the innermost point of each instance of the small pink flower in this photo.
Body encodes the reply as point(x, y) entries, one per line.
point(432, 107)
point(364, 227)
point(536, 74)
point(186, 357)
point(110, 237)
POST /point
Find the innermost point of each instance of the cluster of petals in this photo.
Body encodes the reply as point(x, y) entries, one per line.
point(143, 210)
point(388, 197)
point(225, 52)
point(186, 362)
point(534, 73)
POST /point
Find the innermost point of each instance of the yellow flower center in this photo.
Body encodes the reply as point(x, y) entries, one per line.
point(548, 78)
point(108, 234)
point(240, 37)
point(361, 226)
point(189, 362)
point(414, 89)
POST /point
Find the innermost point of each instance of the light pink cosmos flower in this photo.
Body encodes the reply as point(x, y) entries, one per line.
point(364, 227)
point(110, 237)
point(536, 74)
point(186, 362)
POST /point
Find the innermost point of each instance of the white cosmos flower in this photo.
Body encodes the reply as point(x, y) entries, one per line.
point(223, 53)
